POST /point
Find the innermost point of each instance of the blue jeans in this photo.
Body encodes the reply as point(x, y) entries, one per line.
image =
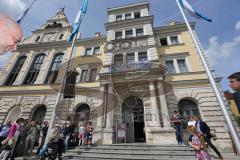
point(179, 134)
point(67, 140)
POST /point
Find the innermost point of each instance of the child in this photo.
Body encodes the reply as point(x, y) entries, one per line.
point(81, 134)
point(198, 144)
point(89, 133)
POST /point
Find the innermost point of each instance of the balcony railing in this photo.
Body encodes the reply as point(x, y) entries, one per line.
point(140, 66)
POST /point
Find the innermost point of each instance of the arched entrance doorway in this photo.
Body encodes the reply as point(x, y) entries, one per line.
point(187, 108)
point(82, 114)
point(39, 114)
point(14, 114)
point(133, 117)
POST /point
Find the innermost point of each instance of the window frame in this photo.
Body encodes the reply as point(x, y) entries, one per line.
point(86, 51)
point(119, 19)
point(33, 73)
point(11, 78)
point(94, 50)
point(138, 33)
point(83, 78)
point(56, 63)
point(95, 76)
point(129, 36)
point(118, 36)
point(139, 57)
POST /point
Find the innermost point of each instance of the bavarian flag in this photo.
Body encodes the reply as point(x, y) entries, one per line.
point(192, 11)
point(78, 20)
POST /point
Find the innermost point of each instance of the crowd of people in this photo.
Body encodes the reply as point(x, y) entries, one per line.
point(199, 135)
point(23, 136)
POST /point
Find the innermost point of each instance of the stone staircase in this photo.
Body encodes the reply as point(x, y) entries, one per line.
point(137, 152)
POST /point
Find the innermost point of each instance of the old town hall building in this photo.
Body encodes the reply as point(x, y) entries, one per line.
point(134, 76)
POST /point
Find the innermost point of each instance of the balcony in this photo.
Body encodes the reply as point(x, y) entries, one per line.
point(140, 66)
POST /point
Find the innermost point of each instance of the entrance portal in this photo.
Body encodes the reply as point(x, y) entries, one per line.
point(187, 108)
point(133, 117)
point(82, 114)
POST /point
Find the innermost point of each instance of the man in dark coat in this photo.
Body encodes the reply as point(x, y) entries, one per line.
point(203, 128)
point(234, 83)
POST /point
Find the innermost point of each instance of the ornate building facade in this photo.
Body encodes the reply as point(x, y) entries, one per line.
point(136, 75)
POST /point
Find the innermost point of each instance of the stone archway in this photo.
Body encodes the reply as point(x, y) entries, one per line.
point(187, 108)
point(82, 114)
point(14, 114)
point(39, 113)
point(133, 117)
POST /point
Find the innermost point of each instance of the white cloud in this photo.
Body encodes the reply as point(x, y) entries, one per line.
point(237, 26)
point(217, 52)
point(13, 7)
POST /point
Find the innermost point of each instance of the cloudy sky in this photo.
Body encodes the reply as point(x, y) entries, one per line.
point(221, 38)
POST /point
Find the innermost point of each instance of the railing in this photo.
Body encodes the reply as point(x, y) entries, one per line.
point(140, 66)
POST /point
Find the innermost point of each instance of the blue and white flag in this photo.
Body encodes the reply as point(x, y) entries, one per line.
point(78, 20)
point(193, 12)
point(20, 19)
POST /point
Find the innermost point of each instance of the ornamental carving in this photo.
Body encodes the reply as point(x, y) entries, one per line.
point(115, 46)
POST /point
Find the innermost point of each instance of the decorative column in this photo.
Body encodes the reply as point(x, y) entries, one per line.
point(101, 106)
point(163, 104)
point(110, 106)
point(154, 107)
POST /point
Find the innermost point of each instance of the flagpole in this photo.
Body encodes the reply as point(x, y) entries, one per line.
point(19, 20)
point(232, 129)
point(59, 95)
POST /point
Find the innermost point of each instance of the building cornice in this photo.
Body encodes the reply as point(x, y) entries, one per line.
point(172, 28)
point(129, 22)
point(128, 7)
point(60, 44)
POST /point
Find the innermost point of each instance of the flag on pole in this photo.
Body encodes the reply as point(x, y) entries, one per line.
point(78, 20)
point(20, 19)
point(192, 11)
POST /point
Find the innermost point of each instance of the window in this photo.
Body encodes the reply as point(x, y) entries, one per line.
point(142, 56)
point(34, 70)
point(170, 66)
point(61, 36)
point(118, 59)
point(96, 50)
point(182, 65)
point(83, 77)
point(118, 35)
point(54, 69)
point(174, 40)
point(93, 75)
point(118, 17)
point(137, 15)
point(130, 58)
point(139, 32)
point(88, 51)
point(129, 33)
point(163, 41)
point(128, 16)
point(15, 71)
point(37, 39)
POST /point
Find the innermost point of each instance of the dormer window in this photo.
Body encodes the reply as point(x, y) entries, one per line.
point(137, 15)
point(118, 17)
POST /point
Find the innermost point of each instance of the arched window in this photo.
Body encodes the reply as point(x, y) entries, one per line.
point(14, 114)
point(39, 114)
point(187, 108)
point(15, 71)
point(54, 69)
point(35, 69)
